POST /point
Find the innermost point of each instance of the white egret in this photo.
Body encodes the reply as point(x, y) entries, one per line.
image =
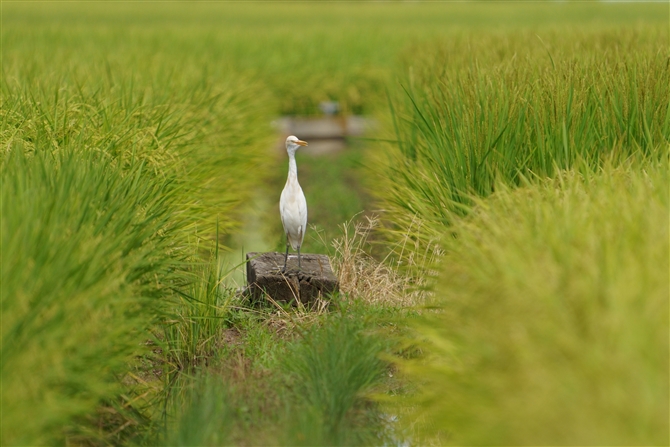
point(292, 204)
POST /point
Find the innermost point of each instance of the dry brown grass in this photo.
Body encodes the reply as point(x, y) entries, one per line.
point(375, 281)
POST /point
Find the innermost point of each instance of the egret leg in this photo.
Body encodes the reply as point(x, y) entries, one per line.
point(285, 260)
point(299, 266)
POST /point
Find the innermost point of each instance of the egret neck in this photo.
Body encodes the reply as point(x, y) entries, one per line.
point(292, 167)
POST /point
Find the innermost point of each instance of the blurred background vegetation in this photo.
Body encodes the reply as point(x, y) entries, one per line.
point(516, 291)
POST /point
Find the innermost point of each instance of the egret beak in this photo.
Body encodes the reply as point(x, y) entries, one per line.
point(301, 143)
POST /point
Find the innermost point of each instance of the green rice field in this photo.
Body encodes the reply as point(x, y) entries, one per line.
point(500, 234)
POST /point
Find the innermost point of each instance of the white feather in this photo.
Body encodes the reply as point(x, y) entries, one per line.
point(293, 210)
point(292, 203)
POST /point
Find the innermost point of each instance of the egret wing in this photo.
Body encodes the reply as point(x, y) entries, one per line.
point(293, 210)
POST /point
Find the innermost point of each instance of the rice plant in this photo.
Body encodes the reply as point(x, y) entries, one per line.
point(112, 182)
point(317, 393)
point(552, 325)
point(518, 105)
point(130, 133)
point(192, 329)
point(208, 416)
point(331, 368)
point(86, 251)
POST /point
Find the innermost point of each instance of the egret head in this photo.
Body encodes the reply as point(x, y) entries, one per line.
point(293, 143)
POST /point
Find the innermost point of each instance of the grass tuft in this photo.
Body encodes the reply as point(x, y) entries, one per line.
point(375, 282)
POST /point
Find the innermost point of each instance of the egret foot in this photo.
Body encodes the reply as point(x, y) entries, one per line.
point(283, 270)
